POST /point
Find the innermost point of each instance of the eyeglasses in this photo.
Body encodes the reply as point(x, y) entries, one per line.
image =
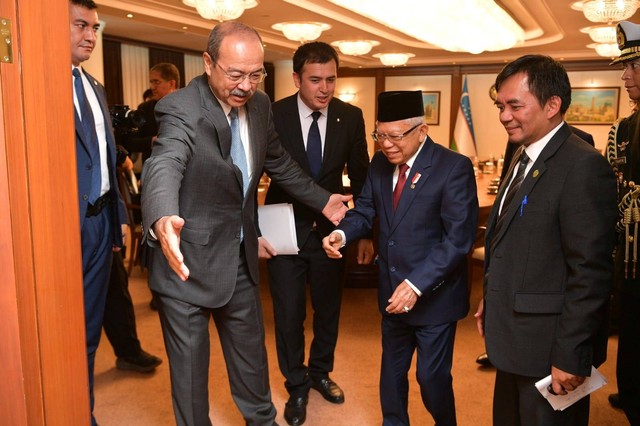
point(380, 137)
point(238, 77)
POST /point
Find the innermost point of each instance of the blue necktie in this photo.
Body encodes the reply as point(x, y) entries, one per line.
point(314, 146)
point(237, 149)
point(91, 137)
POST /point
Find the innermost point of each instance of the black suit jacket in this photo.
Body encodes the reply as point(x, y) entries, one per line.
point(345, 143)
point(512, 147)
point(548, 272)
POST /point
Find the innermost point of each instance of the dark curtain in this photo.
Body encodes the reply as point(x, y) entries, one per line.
point(157, 56)
point(112, 71)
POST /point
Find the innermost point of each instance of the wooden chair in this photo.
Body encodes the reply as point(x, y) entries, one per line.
point(128, 184)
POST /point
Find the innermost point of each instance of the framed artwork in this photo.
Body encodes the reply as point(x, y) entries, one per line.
point(593, 105)
point(431, 102)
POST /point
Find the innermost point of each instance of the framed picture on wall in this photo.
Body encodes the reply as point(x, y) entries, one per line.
point(593, 105)
point(431, 102)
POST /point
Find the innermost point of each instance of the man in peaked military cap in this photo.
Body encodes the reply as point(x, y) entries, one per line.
point(623, 152)
point(424, 196)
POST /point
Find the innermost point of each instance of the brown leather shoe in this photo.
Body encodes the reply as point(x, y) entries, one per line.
point(329, 390)
point(483, 360)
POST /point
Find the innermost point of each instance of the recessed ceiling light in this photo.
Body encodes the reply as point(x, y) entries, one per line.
point(129, 15)
point(185, 28)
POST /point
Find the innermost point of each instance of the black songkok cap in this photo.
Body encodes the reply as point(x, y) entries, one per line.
point(399, 105)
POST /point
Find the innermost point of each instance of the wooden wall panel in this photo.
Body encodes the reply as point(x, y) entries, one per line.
point(49, 384)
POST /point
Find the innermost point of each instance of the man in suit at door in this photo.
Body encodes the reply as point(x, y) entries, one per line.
point(315, 68)
point(102, 210)
point(548, 265)
point(425, 198)
point(215, 137)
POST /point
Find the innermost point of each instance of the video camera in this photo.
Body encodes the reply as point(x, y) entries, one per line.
point(125, 120)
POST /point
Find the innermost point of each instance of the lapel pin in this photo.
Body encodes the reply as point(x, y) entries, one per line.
point(536, 172)
point(415, 180)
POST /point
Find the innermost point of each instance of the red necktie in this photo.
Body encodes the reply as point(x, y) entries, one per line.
point(402, 178)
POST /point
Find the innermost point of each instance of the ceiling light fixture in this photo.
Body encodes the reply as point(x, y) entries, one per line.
point(471, 26)
point(608, 11)
point(394, 59)
point(608, 50)
point(221, 10)
point(355, 47)
point(346, 96)
point(601, 34)
point(301, 31)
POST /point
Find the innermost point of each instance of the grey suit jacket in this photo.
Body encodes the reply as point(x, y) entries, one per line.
point(191, 174)
point(548, 273)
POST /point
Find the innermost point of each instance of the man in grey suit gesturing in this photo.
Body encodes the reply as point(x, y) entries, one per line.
point(549, 239)
point(215, 137)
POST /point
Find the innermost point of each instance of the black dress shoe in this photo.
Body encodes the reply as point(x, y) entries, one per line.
point(483, 360)
point(142, 362)
point(295, 410)
point(614, 400)
point(329, 390)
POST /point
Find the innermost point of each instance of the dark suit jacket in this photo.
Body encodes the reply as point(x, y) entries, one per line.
point(345, 142)
point(548, 277)
point(429, 236)
point(512, 147)
point(84, 164)
point(191, 174)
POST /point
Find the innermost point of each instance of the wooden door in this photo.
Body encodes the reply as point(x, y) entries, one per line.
point(43, 364)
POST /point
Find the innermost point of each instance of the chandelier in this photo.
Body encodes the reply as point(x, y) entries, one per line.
point(221, 10)
point(471, 26)
point(608, 50)
point(301, 31)
point(393, 59)
point(355, 47)
point(601, 33)
point(608, 11)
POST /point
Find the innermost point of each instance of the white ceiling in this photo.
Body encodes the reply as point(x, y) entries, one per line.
point(552, 28)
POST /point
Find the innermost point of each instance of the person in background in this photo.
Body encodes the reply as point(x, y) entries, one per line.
point(164, 78)
point(548, 245)
point(147, 95)
point(199, 195)
point(102, 211)
point(119, 317)
point(623, 152)
point(425, 199)
point(339, 140)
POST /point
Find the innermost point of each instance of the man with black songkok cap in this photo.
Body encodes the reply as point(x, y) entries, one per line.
point(424, 196)
point(623, 153)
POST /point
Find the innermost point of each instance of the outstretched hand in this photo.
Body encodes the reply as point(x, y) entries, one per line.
point(336, 208)
point(167, 230)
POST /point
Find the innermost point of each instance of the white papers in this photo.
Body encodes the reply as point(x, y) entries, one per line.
point(560, 402)
point(278, 227)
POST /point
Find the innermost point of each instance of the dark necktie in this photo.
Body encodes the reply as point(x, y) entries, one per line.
point(511, 192)
point(91, 137)
point(237, 149)
point(314, 146)
point(402, 179)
